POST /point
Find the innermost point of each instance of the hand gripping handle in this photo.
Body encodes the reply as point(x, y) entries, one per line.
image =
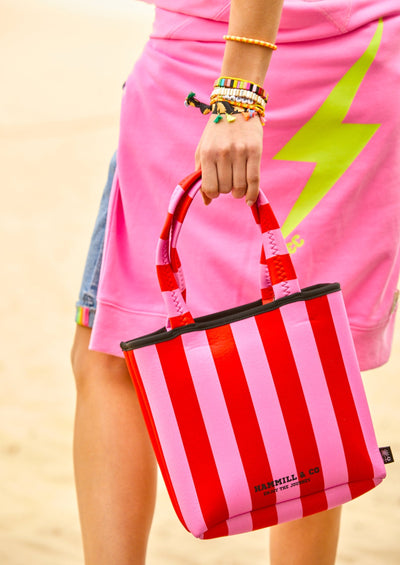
point(277, 275)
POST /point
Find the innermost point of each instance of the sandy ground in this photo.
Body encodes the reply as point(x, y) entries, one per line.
point(61, 67)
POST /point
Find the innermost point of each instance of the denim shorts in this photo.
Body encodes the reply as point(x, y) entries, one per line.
point(86, 304)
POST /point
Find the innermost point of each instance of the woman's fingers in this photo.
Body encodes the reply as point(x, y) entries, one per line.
point(209, 182)
point(229, 155)
point(253, 175)
point(216, 166)
point(239, 167)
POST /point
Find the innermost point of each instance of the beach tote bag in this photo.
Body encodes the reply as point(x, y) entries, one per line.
point(257, 414)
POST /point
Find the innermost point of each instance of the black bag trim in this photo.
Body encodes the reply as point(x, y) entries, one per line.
point(228, 316)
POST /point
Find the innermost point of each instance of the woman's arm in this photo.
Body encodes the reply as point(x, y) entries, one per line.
point(229, 154)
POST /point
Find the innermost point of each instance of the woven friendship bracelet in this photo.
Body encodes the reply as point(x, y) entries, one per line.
point(191, 100)
point(220, 105)
point(251, 41)
point(223, 107)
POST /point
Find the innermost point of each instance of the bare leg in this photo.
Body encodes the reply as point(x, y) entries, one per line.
point(115, 469)
point(309, 541)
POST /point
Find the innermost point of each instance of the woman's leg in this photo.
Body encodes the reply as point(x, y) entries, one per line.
point(309, 541)
point(115, 469)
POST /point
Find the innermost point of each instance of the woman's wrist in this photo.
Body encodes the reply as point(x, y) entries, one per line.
point(249, 62)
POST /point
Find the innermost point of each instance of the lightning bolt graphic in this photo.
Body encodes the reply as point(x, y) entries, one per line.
point(328, 142)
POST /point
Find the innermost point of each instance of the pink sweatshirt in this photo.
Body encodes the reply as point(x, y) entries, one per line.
point(330, 168)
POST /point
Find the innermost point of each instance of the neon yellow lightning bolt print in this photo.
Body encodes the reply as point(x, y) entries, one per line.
point(326, 141)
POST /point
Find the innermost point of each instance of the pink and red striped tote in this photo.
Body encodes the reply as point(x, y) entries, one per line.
point(257, 414)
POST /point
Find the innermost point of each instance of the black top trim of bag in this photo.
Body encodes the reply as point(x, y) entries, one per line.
point(229, 316)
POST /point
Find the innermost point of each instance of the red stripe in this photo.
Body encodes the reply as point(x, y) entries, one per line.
point(166, 278)
point(267, 217)
point(188, 181)
point(182, 208)
point(182, 320)
point(267, 295)
point(358, 461)
point(217, 531)
point(193, 431)
point(148, 418)
point(241, 410)
point(166, 228)
point(175, 261)
point(280, 268)
point(294, 407)
point(262, 518)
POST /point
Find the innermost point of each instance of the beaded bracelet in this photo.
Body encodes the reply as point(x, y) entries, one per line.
point(231, 82)
point(235, 104)
point(229, 92)
point(251, 41)
point(232, 98)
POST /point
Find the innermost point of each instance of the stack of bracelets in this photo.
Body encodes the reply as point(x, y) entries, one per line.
point(234, 95)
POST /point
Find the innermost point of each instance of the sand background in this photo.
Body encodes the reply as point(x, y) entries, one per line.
point(62, 65)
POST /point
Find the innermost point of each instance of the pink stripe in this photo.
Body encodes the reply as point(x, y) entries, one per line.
point(345, 339)
point(162, 257)
point(85, 312)
point(286, 288)
point(169, 435)
point(290, 509)
point(338, 495)
point(217, 422)
point(175, 198)
point(316, 392)
point(278, 245)
point(177, 226)
point(174, 303)
point(265, 278)
point(240, 524)
point(180, 279)
point(267, 408)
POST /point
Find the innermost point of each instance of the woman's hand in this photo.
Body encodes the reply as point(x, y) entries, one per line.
point(229, 155)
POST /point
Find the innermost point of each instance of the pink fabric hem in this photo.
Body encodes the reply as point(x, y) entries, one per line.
point(114, 324)
point(372, 345)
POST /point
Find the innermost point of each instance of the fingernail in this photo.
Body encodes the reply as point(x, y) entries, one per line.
point(249, 202)
point(205, 200)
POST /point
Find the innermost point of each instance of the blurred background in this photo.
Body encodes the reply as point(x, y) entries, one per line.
point(62, 66)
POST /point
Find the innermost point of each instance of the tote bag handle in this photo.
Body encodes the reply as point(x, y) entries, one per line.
point(277, 275)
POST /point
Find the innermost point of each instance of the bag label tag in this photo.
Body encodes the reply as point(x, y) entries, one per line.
point(387, 455)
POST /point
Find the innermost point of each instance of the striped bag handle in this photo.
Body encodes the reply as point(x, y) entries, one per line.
point(177, 216)
point(277, 275)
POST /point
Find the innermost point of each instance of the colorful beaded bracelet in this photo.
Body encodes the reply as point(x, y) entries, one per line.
point(238, 99)
point(229, 92)
point(231, 82)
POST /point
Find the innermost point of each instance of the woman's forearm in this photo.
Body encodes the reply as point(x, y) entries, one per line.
point(255, 19)
point(229, 154)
